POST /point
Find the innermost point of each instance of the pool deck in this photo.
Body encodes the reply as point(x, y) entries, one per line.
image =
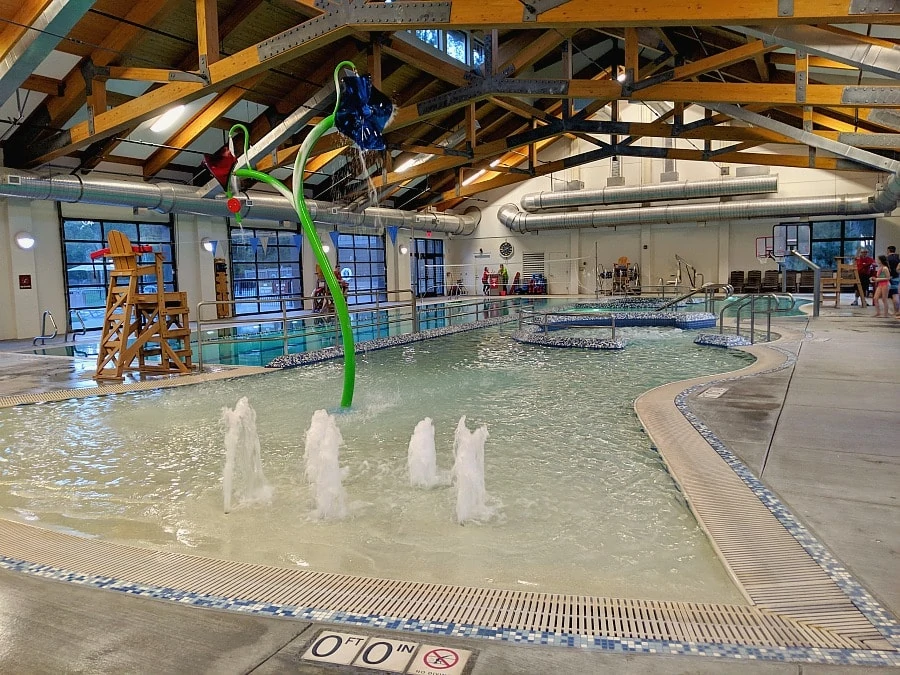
point(794, 471)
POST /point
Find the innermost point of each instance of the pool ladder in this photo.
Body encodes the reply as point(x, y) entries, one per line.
point(709, 291)
point(44, 336)
point(75, 332)
point(772, 306)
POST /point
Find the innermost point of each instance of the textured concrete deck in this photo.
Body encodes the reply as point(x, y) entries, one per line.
point(831, 456)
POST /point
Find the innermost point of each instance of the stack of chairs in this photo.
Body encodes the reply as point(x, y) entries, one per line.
point(805, 284)
point(771, 281)
point(736, 280)
point(754, 281)
point(793, 281)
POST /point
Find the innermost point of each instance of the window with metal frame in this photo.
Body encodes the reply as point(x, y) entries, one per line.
point(360, 258)
point(460, 45)
point(86, 281)
point(265, 267)
point(832, 239)
point(428, 268)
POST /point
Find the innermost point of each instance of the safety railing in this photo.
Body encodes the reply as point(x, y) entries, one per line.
point(294, 322)
point(770, 304)
point(75, 332)
point(543, 319)
point(292, 325)
point(710, 292)
point(44, 336)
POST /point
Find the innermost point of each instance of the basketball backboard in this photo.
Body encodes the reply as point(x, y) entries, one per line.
point(764, 247)
point(789, 237)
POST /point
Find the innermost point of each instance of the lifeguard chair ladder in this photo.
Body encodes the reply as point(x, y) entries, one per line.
point(846, 275)
point(140, 325)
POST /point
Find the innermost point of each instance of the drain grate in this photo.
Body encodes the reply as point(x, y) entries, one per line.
point(424, 603)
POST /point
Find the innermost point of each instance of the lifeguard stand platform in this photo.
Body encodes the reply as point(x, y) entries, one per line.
point(143, 332)
point(845, 276)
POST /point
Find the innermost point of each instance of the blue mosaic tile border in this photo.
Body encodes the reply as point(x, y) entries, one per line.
point(847, 657)
point(722, 340)
point(534, 336)
point(686, 320)
point(880, 617)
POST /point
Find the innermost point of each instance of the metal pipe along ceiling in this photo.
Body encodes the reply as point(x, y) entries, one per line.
point(697, 189)
point(883, 200)
point(519, 221)
point(171, 198)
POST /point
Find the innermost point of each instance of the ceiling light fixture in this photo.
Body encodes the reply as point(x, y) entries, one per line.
point(475, 176)
point(407, 165)
point(167, 119)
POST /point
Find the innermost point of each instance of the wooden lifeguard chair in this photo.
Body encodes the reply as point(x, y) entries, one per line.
point(150, 329)
point(846, 275)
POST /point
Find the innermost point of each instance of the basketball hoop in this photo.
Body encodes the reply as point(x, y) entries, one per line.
point(766, 256)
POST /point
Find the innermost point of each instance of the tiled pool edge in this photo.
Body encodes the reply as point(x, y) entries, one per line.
point(817, 655)
point(880, 617)
point(614, 644)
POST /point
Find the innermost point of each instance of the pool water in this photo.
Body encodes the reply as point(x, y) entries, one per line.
point(582, 503)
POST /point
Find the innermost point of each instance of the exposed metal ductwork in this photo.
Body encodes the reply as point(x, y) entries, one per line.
point(171, 198)
point(37, 41)
point(883, 200)
point(697, 189)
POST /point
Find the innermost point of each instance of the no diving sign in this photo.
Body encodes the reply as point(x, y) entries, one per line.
point(435, 660)
point(393, 656)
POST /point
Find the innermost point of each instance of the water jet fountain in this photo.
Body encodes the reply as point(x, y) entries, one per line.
point(243, 463)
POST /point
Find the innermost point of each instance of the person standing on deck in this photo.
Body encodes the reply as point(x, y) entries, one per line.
point(864, 264)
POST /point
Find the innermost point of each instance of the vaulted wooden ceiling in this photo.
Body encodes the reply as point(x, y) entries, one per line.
point(81, 84)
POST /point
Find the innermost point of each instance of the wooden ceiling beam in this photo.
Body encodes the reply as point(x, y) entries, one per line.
point(588, 13)
point(199, 123)
point(13, 31)
point(56, 111)
point(227, 72)
point(207, 33)
point(421, 59)
point(814, 62)
point(535, 49)
point(44, 85)
point(722, 60)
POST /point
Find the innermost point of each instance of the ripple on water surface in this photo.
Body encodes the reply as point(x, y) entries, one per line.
point(580, 501)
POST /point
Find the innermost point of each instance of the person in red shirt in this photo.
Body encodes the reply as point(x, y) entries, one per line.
point(864, 264)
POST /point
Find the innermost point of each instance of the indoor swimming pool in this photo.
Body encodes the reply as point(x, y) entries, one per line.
point(580, 501)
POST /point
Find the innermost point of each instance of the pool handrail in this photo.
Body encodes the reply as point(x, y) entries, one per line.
point(751, 299)
point(709, 291)
point(75, 332)
point(44, 336)
point(524, 313)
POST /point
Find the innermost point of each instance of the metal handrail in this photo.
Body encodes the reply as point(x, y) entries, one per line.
point(44, 336)
point(709, 291)
point(545, 315)
point(283, 317)
point(76, 331)
point(817, 279)
point(752, 299)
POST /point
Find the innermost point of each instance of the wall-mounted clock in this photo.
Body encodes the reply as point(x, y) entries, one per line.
point(506, 250)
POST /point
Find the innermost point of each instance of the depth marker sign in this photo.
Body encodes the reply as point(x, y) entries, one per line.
point(395, 656)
